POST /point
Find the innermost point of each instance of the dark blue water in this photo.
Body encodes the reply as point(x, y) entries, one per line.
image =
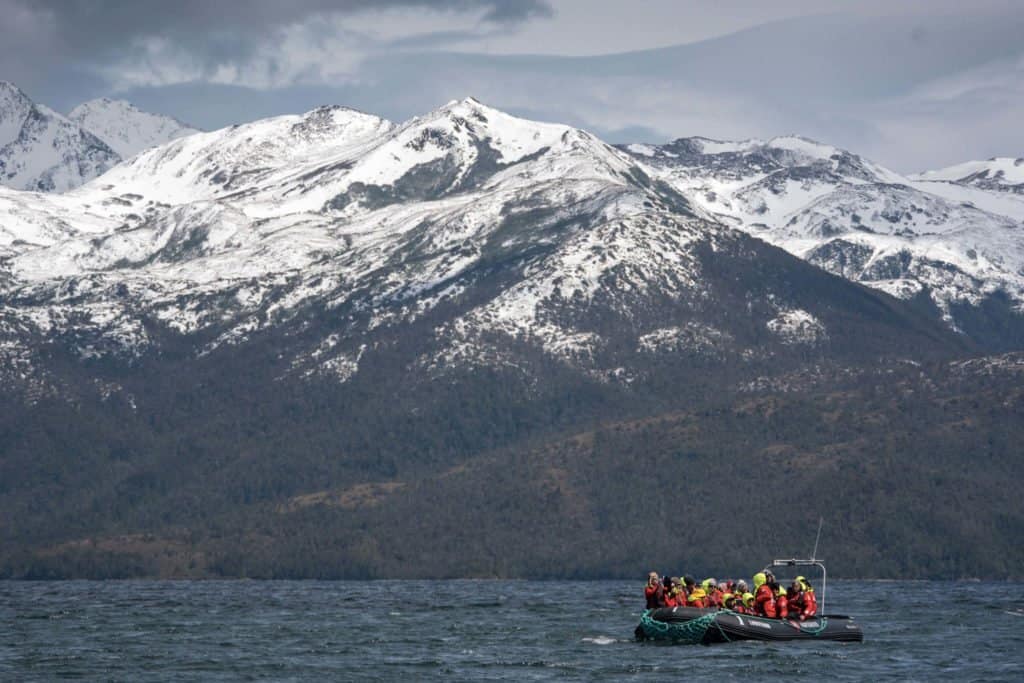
point(477, 630)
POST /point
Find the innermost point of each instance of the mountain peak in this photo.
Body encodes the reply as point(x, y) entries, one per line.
point(8, 87)
point(124, 127)
point(42, 150)
point(12, 98)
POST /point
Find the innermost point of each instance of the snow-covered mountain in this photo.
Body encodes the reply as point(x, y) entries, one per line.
point(1002, 174)
point(125, 128)
point(44, 151)
point(492, 236)
point(947, 234)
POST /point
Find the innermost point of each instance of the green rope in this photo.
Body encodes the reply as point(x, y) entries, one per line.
point(821, 620)
point(692, 632)
point(687, 632)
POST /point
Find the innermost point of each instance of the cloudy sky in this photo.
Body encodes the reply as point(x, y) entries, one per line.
point(913, 84)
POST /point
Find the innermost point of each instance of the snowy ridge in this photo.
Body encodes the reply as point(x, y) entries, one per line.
point(238, 229)
point(125, 128)
point(41, 150)
point(492, 232)
point(1002, 174)
point(959, 240)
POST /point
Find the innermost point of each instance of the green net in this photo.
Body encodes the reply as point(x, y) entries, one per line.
point(686, 632)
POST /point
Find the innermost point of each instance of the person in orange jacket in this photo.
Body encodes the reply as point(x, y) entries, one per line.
point(764, 596)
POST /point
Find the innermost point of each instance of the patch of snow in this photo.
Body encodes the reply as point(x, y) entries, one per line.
point(797, 326)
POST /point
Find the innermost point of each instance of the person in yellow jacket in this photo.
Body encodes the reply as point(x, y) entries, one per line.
point(698, 598)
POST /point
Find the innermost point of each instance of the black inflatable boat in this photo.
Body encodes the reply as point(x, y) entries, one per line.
point(695, 625)
point(707, 626)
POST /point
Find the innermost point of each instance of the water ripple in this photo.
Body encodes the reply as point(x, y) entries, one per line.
point(473, 630)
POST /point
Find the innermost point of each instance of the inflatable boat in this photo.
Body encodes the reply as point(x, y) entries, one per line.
point(706, 626)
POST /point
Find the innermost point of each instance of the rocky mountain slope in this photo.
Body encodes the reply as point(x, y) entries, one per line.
point(224, 346)
point(956, 243)
point(43, 151)
point(125, 128)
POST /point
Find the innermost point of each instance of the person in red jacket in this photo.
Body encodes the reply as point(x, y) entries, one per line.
point(654, 592)
point(677, 594)
point(803, 603)
point(698, 598)
point(714, 592)
point(782, 603)
point(764, 596)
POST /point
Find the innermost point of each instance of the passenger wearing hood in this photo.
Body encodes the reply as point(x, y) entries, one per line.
point(803, 603)
point(713, 591)
point(764, 596)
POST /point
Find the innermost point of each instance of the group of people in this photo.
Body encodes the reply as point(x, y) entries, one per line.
point(768, 599)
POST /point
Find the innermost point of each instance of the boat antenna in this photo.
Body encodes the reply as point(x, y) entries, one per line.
point(814, 554)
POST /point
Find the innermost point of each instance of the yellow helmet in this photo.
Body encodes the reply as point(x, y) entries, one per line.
point(759, 579)
point(705, 584)
point(726, 596)
point(782, 591)
point(748, 599)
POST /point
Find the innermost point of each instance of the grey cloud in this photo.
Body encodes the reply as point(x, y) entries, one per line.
point(93, 22)
point(916, 89)
point(41, 37)
point(847, 80)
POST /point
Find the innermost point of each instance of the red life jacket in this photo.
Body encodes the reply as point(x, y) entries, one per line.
point(674, 600)
point(715, 598)
point(809, 604)
point(764, 601)
point(782, 606)
point(694, 601)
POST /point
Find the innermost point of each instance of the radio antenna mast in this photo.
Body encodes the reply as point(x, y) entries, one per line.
point(817, 538)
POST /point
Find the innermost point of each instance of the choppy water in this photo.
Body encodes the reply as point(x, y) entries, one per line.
point(477, 630)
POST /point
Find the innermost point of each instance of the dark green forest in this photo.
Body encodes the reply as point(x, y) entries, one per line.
point(912, 468)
